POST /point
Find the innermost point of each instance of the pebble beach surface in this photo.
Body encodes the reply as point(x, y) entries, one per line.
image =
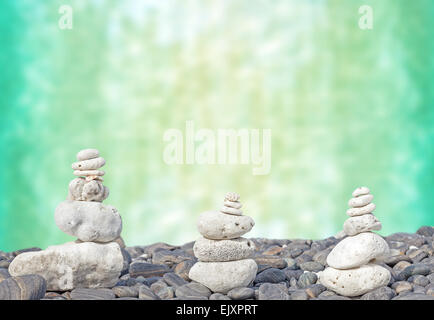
point(287, 270)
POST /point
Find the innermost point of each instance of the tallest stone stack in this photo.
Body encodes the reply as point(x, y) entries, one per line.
point(95, 259)
point(353, 263)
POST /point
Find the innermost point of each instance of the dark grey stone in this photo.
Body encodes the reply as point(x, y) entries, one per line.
point(306, 279)
point(418, 268)
point(145, 293)
point(414, 296)
point(419, 280)
point(271, 275)
point(127, 261)
point(17, 252)
point(28, 287)
point(312, 266)
point(426, 231)
point(124, 291)
point(292, 273)
point(299, 295)
point(192, 289)
point(4, 274)
point(273, 291)
point(161, 289)
point(382, 293)
point(314, 290)
point(303, 258)
point(169, 257)
point(412, 239)
point(272, 261)
point(173, 280)
point(147, 270)
point(241, 293)
point(218, 296)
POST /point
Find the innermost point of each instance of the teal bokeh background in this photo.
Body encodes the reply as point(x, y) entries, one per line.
point(346, 106)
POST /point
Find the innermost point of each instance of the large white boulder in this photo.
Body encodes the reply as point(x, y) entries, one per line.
point(223, 250)
point(224, 276)
point(218, 226)
point(72, 265)
point(354, 282)
point(88, 221)
point(358, 250)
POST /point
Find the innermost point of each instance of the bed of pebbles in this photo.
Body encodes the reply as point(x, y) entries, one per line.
point(287, 270)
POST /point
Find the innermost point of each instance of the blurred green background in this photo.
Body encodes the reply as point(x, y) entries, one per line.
point(347, 107)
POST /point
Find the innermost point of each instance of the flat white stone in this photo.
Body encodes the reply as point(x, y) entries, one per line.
point(223, 250)
point(359, 224)
point(369, 208)
point(72, 265)
point(84, 173)
point(360, 201)
point(218, 226)
point(87, 154)
point(354, 282)
point(229, 210)
point(358, 250)
point(224, 276)
point(361, 191)
point(91, 164)
point(233, 204)
point(88, 221)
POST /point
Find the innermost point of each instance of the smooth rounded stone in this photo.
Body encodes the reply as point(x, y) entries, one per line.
point(88, 173)
point(418, 289)
point(218, 296)
point(169, 257)
point(293, 274)
point(87, 154)
point(314, 290)
point(224, 276)
point(4, 274)
point(173, 280)
point(299, 295)
point(412, 239)
point(414, 296)
point(312, 266)
point(359, 224)
point(382, 293)
point(125, 291)
point(358, 250)
point(430, 277)
point(414, 269)
point(430, 289)
point(88, 221)
point(223, 250)
point(321, 256)
point(419, 280)
point(303, 258)
point(358, 211)
point(307, 279)
point(393, 260)
point(92, 294)
point(219, 226)
point(291, 263)
point(26, 287)
point(273, 291)
point(360, 201)
point(147, 270)
point(161, 289)
point(73, 265)
point(426, 231)
point(146, 294)
point(417, 255)
point(401, 265)
point(271, 275)
point(233, 211)
point(360, 191)
point(271, 261)
point(82, 190)
point(90, 164)
point(273, 250)
point(4, 264)
point(233, 204)
point(354, 282)
point(192, 289)
point(182, 269)
point(241, 293)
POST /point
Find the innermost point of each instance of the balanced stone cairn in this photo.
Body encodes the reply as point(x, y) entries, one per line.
point(353, 263)
point(95, 258)
point(224, 256)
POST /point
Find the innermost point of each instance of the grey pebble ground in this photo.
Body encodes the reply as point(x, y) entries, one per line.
point(286, 271)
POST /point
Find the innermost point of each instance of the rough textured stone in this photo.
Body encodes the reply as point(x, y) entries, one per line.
point(360, 201)
point(27, 287)
point(223, 250)
point(419, 280)
point(82, 190)
point(218, 226)
point(358, 211)
point(354, 282)
point(359, 224)
point(88, 221)
point(72, 265)
point(92, 294)
point(358, 250)
point(224, 276)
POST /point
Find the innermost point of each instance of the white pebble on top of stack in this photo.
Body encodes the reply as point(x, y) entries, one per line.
point(95, 259)
point(351, 267)
point(224, 256)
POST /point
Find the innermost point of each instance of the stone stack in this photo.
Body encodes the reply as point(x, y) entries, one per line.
point(95, 259)
point(224, 256)
point(353, 263)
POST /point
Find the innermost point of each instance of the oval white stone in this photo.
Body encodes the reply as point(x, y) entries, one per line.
point(229, 210)
point(87, 154)
point(359, 224)
point(91, 164)
point(357, 250)
point(223, 250)
point(360, 191)
point(84, 173)
point(88, 221)
point(224, 276)
point(354, 282)
point(361, 200)
point(369, 208)
point(218, 226)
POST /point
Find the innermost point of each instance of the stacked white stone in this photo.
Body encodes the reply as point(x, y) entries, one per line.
point(352, 264)
point(95, 258)
point(224, 256)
